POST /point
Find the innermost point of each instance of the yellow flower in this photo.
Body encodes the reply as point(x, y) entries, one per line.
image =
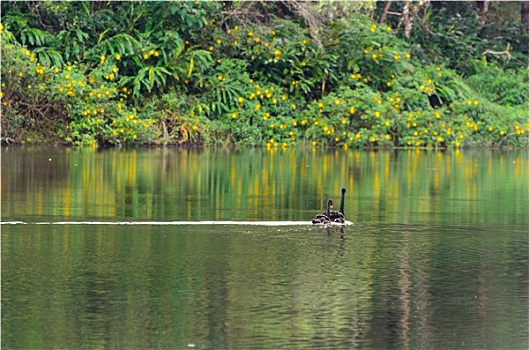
point(374, 56)
point(69, 68)
point(234, 115)
point(277, 52)
point(102, 58)
point(502, 132)
point(250, 33)
point(377, 114)
point(240, 99)
point(476, 102)
point(489, 128)
point(440, 139)
point(219, 41)
point(344, 121)
point(337, 102)
point(293, 106)
point(41, 87)
point(351, 110)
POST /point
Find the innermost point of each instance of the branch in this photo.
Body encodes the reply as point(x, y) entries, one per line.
point(499, 53)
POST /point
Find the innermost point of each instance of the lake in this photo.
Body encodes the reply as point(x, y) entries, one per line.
point(213, 249)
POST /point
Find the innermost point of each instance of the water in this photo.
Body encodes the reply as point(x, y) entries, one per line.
point(149, 249)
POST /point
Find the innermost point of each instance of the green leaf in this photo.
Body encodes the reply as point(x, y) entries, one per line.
point(102, 35)
point(191, 64)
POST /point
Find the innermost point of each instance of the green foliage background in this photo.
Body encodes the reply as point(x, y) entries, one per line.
point(261, 73)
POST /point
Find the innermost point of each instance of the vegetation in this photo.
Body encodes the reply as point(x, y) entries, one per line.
point(350, 74)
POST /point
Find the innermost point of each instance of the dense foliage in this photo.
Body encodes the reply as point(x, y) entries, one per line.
point(256, 73)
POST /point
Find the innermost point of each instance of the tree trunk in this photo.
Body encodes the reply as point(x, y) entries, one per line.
point(525, 14)
point(405, 19)
point(384, 16)
point(408, 15)
point(483, 7)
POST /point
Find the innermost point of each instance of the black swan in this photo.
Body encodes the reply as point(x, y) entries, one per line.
point(325, 217)
point(339, 216)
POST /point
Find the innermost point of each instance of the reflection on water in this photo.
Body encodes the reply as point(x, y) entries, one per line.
point(467, 187)
point(134, 256)
point(234, 286)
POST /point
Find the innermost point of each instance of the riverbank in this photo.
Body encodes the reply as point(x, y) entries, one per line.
point(203, 76)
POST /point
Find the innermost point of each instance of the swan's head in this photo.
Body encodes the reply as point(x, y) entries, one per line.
point(329, 203)
point(343, 191)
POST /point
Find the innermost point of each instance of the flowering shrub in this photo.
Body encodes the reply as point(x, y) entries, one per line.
point(198, 76)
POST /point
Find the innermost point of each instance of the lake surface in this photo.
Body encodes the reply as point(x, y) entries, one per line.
point(176, 249)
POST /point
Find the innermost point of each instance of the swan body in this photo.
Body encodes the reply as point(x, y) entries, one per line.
point(325, 217)
point(331, 216)
point(339, 216)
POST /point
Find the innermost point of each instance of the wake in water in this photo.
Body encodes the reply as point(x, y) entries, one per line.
point(251, 223)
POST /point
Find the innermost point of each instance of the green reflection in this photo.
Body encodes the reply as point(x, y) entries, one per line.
point(439, 187)
point(382, 286)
